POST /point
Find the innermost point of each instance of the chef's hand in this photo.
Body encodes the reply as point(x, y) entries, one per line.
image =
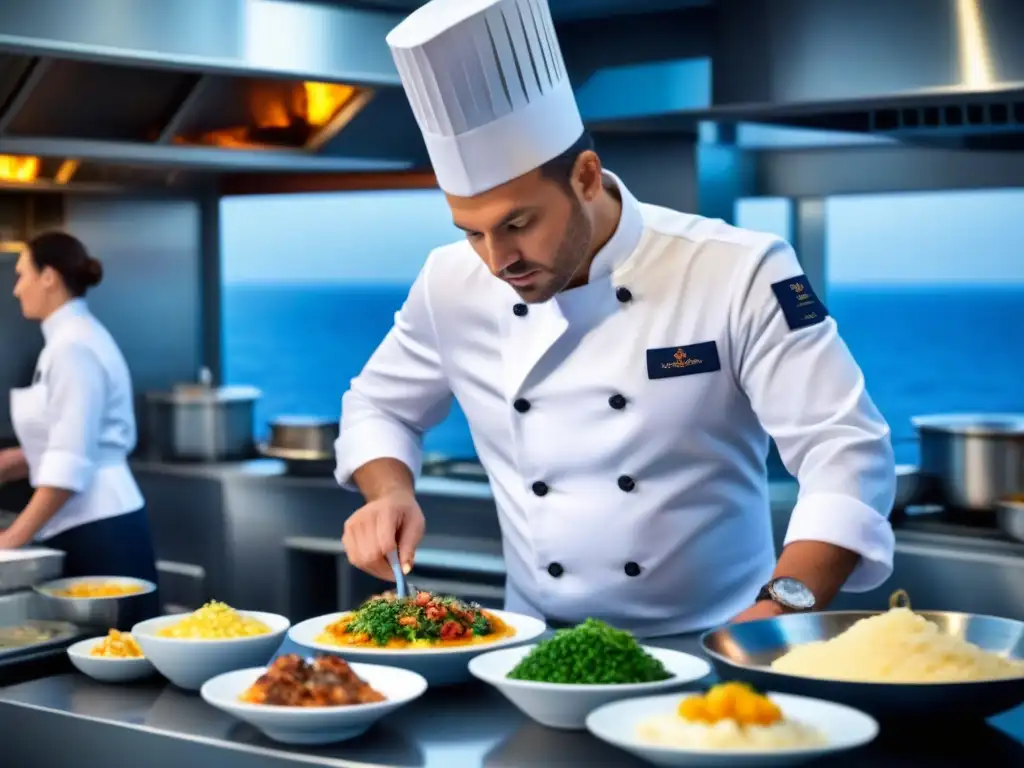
point(763, 609)
point(390, 522)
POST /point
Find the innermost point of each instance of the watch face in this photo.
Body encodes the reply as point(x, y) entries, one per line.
point(793, 594)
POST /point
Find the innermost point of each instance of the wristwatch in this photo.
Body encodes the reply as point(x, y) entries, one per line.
point(791, 594)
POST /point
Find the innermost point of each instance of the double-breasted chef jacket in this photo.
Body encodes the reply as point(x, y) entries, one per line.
point(624, 425)
point(76, 422)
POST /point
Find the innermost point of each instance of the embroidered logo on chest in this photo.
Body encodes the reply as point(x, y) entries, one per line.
point(683, 361)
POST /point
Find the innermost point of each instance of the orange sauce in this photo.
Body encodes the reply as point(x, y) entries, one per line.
point(337, 634)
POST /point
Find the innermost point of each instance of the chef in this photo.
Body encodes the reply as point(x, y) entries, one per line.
point(621, 367)
point(76, 426)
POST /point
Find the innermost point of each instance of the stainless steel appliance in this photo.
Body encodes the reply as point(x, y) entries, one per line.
point(975, 459)
point(200, 422)
point(1010, 517)
point(304, 443)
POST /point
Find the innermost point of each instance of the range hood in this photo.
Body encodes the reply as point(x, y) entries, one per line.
point(104, 93)
point(943, 72)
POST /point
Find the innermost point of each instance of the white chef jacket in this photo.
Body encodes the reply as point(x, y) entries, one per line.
point(76, 422)
point(624, 425)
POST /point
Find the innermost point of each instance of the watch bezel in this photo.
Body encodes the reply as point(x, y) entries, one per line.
point(778, 597)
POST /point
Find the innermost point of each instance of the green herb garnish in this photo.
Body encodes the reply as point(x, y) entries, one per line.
point(591, 653)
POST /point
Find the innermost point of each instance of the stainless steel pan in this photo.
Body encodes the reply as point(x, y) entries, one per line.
point(745, 651)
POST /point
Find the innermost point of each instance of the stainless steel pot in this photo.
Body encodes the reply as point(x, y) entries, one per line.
point(975, 459)
point(202, 423)
point(305, 443)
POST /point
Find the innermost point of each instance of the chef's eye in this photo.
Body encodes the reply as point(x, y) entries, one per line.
point(518, 226)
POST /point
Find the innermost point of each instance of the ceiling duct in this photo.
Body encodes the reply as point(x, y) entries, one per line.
point(940, 72)
point(101, 92)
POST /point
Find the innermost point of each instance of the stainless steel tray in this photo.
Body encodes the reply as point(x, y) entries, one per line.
point(53, 632)
point(24, 568)
point(21, 609)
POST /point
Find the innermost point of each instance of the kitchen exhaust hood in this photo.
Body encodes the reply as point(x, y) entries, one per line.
point(940, 72)
point(105, 93)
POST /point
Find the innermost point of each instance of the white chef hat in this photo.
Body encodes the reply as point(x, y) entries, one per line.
point(488, 86)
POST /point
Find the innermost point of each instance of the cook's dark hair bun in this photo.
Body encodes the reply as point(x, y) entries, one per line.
point(67, 256)
point(93, 272)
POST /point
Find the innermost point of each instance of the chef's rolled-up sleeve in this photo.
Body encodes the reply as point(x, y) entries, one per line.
point(400, 393)
point(76, 391)
point(809, 394)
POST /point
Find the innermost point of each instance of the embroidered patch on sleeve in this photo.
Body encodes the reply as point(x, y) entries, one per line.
point(800, 305)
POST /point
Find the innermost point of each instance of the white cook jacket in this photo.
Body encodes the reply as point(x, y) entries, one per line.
point(634, 486)
point(76, 423)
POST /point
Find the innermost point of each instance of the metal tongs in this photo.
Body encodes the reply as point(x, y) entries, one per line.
point(402, 588)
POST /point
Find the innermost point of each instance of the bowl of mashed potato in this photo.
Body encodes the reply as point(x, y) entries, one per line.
point(731, 724)
point(898, 662)
point(190, 648)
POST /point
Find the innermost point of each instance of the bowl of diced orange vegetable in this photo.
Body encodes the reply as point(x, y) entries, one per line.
point(95, 601)
point(113, 658)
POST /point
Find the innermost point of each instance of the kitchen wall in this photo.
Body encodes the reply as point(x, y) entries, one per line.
point(149, 298)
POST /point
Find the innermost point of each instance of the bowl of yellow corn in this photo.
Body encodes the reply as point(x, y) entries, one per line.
point(190, 648)
point(114, 658)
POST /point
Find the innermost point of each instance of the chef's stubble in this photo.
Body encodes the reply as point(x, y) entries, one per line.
point(570, 259)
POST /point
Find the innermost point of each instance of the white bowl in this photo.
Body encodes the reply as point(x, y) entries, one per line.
point(107, 669)
point(564, 705)
point(190, 663)
point(844, 728)
point(314, 725)
point(440, 666)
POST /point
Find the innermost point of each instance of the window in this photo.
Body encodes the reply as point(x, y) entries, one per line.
point(928, 292)
point(310, 287)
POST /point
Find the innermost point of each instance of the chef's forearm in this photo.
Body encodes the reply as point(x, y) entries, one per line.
point(383, 477)
point(12, 465)
point(43, 505)
point(823, 567)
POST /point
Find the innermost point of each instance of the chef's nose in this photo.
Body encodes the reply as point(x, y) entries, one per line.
point(501, 256)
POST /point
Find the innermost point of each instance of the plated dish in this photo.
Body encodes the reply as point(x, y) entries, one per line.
point(188, 649)
point(113, 658)
point(420, 648)
point(558, 681)
point(425, 620)
point(326, 681)
point(731, 725)
point(318, 701)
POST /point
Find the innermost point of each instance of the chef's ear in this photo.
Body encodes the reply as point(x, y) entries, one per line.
point(586, 175)
point(49, 277)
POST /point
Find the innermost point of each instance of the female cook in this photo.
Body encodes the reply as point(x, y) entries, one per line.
point(76, 426)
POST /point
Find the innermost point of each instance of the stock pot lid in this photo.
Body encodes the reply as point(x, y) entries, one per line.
point(981, 424)
point(190, 394)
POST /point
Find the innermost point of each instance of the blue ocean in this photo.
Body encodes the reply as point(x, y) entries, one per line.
point(922, 349)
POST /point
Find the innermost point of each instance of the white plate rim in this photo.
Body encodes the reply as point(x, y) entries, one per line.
point(527, 628)
point(633, 745)
point(299, 712)
point(535, 685)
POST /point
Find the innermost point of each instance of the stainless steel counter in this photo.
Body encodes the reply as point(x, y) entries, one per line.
point(465, 726)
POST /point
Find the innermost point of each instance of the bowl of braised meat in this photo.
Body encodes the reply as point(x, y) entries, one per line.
point(434, 635)
point(312, 701)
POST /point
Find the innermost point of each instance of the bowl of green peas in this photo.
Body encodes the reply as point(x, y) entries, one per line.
point(559, 681)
